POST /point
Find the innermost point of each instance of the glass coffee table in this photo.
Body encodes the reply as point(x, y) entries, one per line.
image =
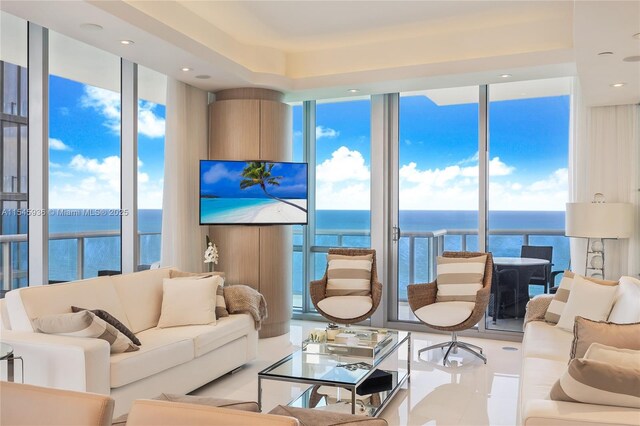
point(341, 381)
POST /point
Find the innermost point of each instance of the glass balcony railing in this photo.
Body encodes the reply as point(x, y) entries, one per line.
point(82, 257)
point(418, 250)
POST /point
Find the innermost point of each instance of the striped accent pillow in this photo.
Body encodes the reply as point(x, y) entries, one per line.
point(595, 382)
point(85, 324)
point(459, 279)
point(562, 295)
point(349, 275)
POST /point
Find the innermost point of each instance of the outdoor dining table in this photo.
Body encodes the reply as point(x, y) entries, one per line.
point(525, 266)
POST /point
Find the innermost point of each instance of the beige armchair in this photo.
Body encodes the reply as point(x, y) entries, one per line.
point(452, 316)
point(28, 405)
point(347, 309)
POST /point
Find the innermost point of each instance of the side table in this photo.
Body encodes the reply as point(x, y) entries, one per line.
point(6, 354)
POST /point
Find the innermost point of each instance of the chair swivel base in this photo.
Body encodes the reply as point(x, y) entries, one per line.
point(452, 346)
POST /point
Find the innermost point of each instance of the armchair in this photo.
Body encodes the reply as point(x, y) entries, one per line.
point(347, 309)
point(452, 316)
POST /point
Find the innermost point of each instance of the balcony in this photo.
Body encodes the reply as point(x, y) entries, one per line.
point(79, 259)
point(418, 251)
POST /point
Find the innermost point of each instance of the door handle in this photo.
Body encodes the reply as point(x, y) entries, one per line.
point(396, 233)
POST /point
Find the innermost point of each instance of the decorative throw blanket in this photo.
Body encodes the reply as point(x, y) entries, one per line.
point(242, 299)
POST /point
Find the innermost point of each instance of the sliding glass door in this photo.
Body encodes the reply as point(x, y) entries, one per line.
point(480, 168)
point(437, 183)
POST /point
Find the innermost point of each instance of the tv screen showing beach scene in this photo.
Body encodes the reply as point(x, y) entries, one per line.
point(253, 193)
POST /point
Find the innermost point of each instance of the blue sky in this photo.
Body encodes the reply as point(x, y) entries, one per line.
point(439, 154)
point(222, 178)
point(84, 154)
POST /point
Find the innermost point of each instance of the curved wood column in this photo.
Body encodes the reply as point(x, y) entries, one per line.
point(254, 124)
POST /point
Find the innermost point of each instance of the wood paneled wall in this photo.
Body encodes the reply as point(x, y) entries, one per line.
point(252, 124)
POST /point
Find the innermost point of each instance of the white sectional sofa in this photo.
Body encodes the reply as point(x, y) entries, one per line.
point(546, 353)
point(170, 360)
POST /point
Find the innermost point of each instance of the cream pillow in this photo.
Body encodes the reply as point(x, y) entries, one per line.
point(188, 301)
point(626, 358)
point(588, 300)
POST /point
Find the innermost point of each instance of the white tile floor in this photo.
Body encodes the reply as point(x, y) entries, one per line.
point(466, 393)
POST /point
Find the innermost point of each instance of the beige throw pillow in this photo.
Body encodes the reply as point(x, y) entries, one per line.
point(586, 332)
point(595, 382)
point(221, 304)
point(84, 324)
point(348, 275)
point(562, 295)
point(459, 279)
point(188, 301)
point(627, 358)
point(588, 300)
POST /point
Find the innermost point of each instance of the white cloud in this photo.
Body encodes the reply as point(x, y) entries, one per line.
point(215, 173)
point(95, 183)
point(342, 182)
point(107, 103)
point(456, 188)
point(498, 168)
point(326, 132)
point(343, 165)
point(58, 145)
point(107, 170)
point(149, 124)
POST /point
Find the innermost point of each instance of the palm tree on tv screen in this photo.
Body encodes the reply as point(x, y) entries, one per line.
point(259, 173)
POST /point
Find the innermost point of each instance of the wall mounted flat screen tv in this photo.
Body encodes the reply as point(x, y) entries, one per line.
point(253, 193)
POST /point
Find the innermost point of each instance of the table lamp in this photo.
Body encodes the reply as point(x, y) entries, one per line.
point(597, 221)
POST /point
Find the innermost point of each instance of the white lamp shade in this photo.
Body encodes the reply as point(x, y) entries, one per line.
point(599, 220)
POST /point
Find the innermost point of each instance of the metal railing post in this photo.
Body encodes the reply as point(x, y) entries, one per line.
point(525, 239)
point(6, 265)
point(412, 262)
point(79, 258)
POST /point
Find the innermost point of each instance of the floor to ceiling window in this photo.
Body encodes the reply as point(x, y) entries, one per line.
point(298, 235)
point(438, 182)
point(13, 153)
point(528, 187)
point(84, 154)
point(152, 88)
point(343, 176)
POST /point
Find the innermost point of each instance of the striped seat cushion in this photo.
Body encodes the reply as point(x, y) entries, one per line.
point(348, 275)
point(459, 279)
point(562, 295)
point(84, 324)
point(595, 382)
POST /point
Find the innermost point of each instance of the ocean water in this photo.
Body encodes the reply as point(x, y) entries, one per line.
point(104, 252)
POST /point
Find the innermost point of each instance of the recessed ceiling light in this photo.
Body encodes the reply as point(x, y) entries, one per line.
point(505, 75)
point(606, 53)
point(203, 76)
point(353, 90)
point(91, 27)
point(185, 69)
point(618, 84)
point(126, 42)
point(636, 35)
point(632, 59)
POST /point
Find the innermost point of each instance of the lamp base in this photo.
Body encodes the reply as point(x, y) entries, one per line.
point(594, 259)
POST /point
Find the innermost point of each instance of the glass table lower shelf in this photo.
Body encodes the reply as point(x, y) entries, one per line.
point(338, 399)
point(336, 379)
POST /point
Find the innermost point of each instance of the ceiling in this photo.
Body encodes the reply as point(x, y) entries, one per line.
point(320, 49)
